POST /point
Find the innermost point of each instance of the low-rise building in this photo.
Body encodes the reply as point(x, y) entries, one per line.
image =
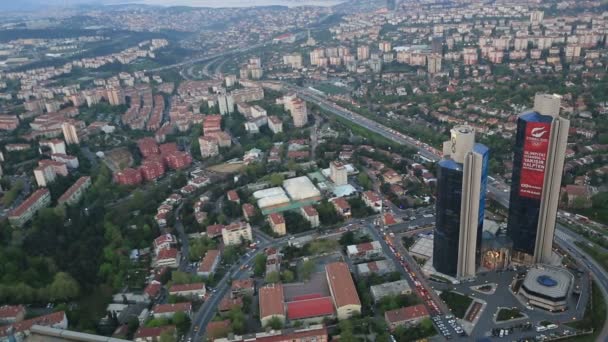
point(311, 215)
point(242, 287)
point(164, 241)
point(168, 310)
point(364, 251)
point(75, 192)
point(21, 329)
point(168, 258)
point(235, 233)
point(379, 267)
point(395, 288)
point(41, 198)
point(188, 290)
point(408, 316)
point(372, 200)
point(209, 263)
point(11, 314)
point(248, 211)
point(342, 207)
point(145, 334)
point(277, 223)
point(272, 303)
point(343, 290)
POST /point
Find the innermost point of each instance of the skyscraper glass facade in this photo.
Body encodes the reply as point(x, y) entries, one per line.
point(447, 227)
point(524, 204)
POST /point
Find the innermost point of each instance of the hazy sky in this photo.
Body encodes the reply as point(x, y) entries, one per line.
point(28, 5)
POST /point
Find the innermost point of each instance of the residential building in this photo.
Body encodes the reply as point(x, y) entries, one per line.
point(208, 146)
point(407, 316)
point(539, 153)
point(272, 303)
point(338, 173)
point(275, 124)
point(372, 200)
point(70, 161)
point(343, 291)
point(277, 223)
point(168, 310)
point(21, 329)
point(342, 207)
point(41, 198)
point(70, 134)
point(54, 145)
point(167, 258)
point(364, 251)
point(75, 192)
point(145, 334)
point(128, 176)
point(242, 287)
point(12, 314)
point(209, 263)
point(395, 288)
point(461, 191)
point(188, 290)
point(236, 233)
point(311, 215)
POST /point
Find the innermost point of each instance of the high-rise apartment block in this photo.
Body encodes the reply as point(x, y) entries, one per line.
point(539, 152)
point(461, 188)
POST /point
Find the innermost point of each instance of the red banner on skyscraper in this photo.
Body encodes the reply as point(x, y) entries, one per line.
point(536, 144)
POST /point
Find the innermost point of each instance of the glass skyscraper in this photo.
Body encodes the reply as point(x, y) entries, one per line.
point(538, 162)
point(461, 187)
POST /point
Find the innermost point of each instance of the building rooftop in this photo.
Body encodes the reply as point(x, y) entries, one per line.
point(271, 300)
point(406, 314)
point(23, 207)
point(341, 284)
point(300, 188)
point(307, 308)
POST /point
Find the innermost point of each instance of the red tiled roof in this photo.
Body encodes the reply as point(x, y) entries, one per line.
point(310, 308)
point(406, 314)
point(167, 308)
point(167, 254)
point(208, 260)
point(218, 327)
point(341, 284)
point(187, 287)
point(215, 230)
point(239, 284)
point(46, 320)
point(72, 189)
point(28, 202)
point(144, 332)
point(271, 300)
point(389, 219)
point(153, 289)
point(276, 218)
point(11, 311)
point(310, 210)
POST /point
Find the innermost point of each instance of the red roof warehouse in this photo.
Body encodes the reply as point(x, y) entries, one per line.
point(308, 308)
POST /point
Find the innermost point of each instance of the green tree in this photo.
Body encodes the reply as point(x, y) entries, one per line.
point(182, 322)
point(346, 331)
point(63, 287)
point(276, 179)
point(168, 336)
point(259, 264)
point(273, 277)
point(364, 180)
point(288, 276)
point(308, 267)
point(275, 323)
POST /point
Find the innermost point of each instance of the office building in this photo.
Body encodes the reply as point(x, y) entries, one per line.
point(540, 148)
point(461, 183)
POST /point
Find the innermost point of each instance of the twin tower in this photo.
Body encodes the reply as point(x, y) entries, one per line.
point(462, 175)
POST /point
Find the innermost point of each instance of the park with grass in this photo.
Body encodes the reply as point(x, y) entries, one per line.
point(458, 303)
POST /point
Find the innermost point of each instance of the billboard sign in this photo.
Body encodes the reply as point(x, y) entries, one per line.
point(536, 144)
